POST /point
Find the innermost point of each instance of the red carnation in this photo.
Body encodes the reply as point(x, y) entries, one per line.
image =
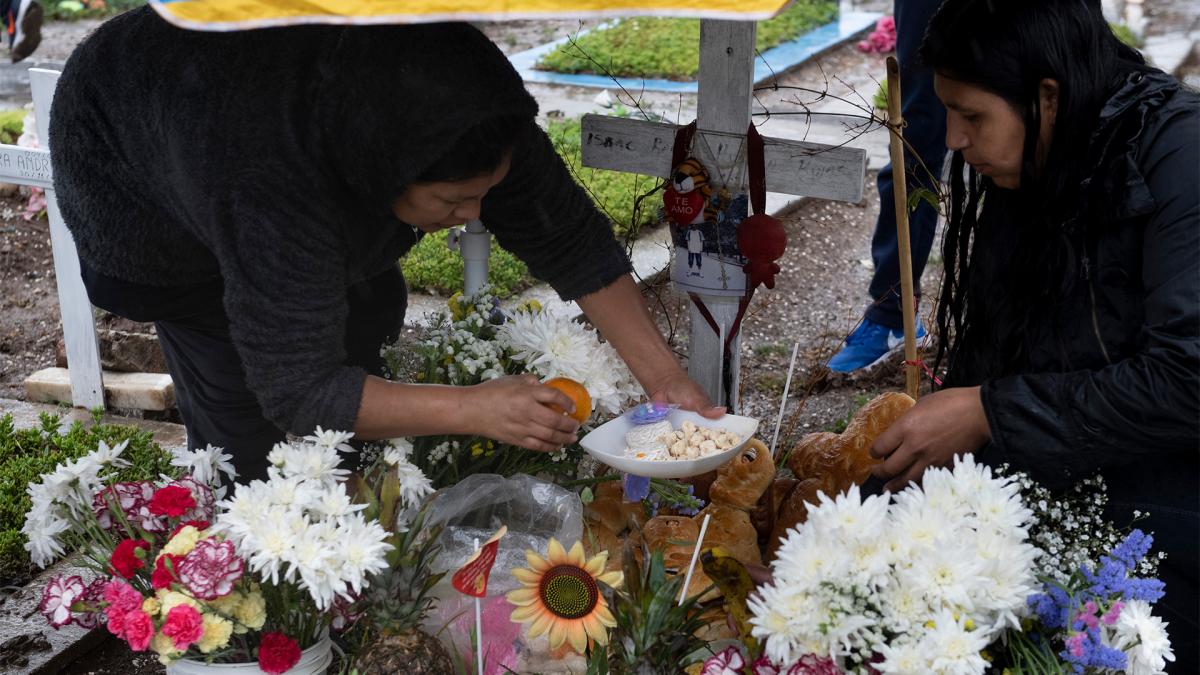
point(277, 653)
point(124, 558)
point(172, 501)
point(166, 571)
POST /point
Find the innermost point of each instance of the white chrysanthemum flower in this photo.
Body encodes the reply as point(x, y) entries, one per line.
point(947, 578)
point(848, 517)
point(551, 344)
point(205, 466)
point(548, 343)
point(333, 440)
point(317, 463)
point(414, 485)
point(904, 608)
point(41, 535)
point(106, 456)
point(902, 657)
point(334, 503)
point(361, 551)
point(1143, 637)
point(951, 648)
point(1010, 578)
point(299, 525)
point(398, 450)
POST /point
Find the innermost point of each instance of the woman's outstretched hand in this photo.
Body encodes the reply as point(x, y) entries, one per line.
point(940, 426)
point(515, 410)
point(683, 390)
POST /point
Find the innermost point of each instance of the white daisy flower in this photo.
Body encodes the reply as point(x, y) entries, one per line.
point(206, 465)
point(334, 440)
point(1143, 637)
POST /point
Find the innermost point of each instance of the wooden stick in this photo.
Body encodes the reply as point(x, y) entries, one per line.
point(687, 581)
point(900, 198)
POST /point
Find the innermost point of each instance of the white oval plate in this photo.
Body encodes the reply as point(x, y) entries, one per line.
point(607, 444)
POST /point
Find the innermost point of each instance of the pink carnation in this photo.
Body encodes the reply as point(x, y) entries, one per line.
point(211, 569)
point(728, 662)
point(184, 625)
point(139, 628)
point(58, 596)
point(887, 23)
point(90, 617)
point(121, 597)
point(134, 501)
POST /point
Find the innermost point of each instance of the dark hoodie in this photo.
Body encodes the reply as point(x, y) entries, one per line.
point(269, 159)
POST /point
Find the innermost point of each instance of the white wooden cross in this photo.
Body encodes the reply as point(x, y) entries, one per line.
point(723, 115)
point(31, 166)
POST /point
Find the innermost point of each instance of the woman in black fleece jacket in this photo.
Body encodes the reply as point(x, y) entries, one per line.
point(251, 192)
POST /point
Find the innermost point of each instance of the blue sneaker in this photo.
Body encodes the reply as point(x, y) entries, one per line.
point(869, 344)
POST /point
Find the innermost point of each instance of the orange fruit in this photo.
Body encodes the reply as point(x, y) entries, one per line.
point(578, 395)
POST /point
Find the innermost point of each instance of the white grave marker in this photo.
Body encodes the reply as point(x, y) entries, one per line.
point(31, 166)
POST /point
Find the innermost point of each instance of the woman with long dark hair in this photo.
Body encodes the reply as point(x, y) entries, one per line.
point(1070, 312)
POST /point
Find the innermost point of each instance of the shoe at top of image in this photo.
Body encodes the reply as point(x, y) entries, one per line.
point(24, 23)
point(869, 344)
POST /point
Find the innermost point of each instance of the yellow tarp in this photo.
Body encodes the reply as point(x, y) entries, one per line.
point(238, 14)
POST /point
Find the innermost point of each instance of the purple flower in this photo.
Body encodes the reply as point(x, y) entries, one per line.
point(1051, 606)
point(1112, 578)
point(637, 488)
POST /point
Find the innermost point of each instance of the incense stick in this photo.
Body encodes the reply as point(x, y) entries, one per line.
point(783, 403)
point(687, 581)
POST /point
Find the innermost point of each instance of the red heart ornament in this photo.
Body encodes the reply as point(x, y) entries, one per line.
point(683, 208)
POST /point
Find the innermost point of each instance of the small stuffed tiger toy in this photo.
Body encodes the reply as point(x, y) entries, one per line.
point(690, 175)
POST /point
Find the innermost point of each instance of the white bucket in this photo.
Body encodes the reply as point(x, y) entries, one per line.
point(313, 661)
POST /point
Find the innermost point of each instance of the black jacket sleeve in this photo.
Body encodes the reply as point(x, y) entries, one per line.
point(1067, 425)
point(549, 222)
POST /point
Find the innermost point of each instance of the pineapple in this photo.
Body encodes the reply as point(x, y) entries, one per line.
point(397, 599)
point(654, 634)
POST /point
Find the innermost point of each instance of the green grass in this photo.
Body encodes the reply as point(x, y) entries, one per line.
point(26, 454)
point(12, 123)
point(432, 267)
point(74, 10)
point(670, 48)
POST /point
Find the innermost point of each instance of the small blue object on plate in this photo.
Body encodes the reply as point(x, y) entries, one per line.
point(649, 413)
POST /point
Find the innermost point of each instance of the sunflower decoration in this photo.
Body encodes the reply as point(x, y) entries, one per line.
point(560, 596)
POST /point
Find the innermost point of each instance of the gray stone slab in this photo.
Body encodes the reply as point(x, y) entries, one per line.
point(25, 415)
point(44, 650)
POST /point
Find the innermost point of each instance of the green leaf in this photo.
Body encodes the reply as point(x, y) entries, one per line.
point(924, 195)
point(389, 499)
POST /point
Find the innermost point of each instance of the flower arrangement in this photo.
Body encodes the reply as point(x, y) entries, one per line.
point(1100, 619)
point(921, 585)
point(475, 341)
point(186, 573)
